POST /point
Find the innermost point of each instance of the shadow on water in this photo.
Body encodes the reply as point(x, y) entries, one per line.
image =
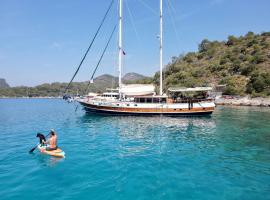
point(45, 160)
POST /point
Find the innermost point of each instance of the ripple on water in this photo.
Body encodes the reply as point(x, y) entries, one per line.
point(225, 156)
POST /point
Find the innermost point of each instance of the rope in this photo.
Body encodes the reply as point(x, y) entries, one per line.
point(149, 7)
point(170, 9)
point(104, 50)
point(102, 21)
point(133, 24)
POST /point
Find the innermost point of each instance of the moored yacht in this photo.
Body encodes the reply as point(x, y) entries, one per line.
point(179, 102)
point(142, 99)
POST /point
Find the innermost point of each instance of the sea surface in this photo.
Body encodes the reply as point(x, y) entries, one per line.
point(225, 156)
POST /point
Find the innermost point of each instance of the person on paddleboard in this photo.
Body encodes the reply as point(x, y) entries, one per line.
point(52, 141)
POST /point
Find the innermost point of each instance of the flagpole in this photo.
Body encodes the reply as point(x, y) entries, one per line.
point(120, 50)
point(161, 48)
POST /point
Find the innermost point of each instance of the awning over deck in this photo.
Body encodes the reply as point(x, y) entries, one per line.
point(195, 89)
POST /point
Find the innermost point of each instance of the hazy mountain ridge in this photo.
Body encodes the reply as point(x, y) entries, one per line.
point(129, 77)
point(99, 84)
point(3, 83)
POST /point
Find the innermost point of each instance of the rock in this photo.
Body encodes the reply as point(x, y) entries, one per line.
point(244, 101)
point(3, 83)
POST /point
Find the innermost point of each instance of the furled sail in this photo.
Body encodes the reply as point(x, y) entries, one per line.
point(138, 89)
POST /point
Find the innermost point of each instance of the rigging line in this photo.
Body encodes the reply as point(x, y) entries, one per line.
point(102, 21)
point(149, 7)
point(108, 42)
point(169, 7)
point(133, 24)
point(173, 9)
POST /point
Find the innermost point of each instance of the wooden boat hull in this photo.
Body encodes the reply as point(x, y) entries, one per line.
point(107, 110)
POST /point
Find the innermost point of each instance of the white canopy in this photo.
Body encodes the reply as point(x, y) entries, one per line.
point(90, 94)
point(195, 89)
point(138, 89)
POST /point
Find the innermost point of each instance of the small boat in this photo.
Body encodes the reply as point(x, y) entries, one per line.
point(56, 153)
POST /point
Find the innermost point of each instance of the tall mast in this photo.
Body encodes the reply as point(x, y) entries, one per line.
point(161, 48)
point(120, 51)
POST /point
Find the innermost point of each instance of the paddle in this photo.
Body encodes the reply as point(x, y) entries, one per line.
point(31, 151)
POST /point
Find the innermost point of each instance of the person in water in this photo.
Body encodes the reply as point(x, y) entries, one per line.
point(52, 141)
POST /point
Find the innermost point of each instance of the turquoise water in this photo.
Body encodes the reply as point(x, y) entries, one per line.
point(226, 156)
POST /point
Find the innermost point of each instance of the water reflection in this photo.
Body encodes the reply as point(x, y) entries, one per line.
point(140, 135)
point(47, 161)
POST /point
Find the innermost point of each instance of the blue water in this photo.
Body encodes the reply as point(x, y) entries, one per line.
point(226, 156)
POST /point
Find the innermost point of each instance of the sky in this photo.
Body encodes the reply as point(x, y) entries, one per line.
point(43, 41)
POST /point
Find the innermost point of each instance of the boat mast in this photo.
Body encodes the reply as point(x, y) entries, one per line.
point(120, 51)
point(161, 48)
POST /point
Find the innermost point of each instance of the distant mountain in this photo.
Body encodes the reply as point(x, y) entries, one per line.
point(102, 82)
point(105, 79)
point(3, 83)
point(132, 76)
point(99, 84)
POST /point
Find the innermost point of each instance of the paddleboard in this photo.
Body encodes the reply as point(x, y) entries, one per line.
point(56, 153)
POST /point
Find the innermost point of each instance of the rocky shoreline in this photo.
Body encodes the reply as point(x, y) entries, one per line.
point(244, 101)
point(231, 101)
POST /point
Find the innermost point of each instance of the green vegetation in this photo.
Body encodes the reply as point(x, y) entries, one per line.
point(243, 64)
point(57, 89)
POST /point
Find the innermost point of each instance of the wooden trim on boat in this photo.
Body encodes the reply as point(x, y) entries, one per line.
point(99, 108)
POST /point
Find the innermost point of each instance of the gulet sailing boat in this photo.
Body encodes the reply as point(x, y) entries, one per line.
point(140, 99)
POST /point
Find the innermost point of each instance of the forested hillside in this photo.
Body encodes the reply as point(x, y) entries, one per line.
point(242, 63)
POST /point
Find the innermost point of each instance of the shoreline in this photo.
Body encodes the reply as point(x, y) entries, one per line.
point(233, 101)
point(244, 101)
point(31, 97)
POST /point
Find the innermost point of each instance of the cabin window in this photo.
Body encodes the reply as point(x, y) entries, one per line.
point(117, 104)
point(135, 105)
point(155, 100)
point(142, 100)
point(149, 100)
point(127, 104)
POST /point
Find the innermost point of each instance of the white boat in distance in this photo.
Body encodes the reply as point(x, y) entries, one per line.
point(140, 99)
